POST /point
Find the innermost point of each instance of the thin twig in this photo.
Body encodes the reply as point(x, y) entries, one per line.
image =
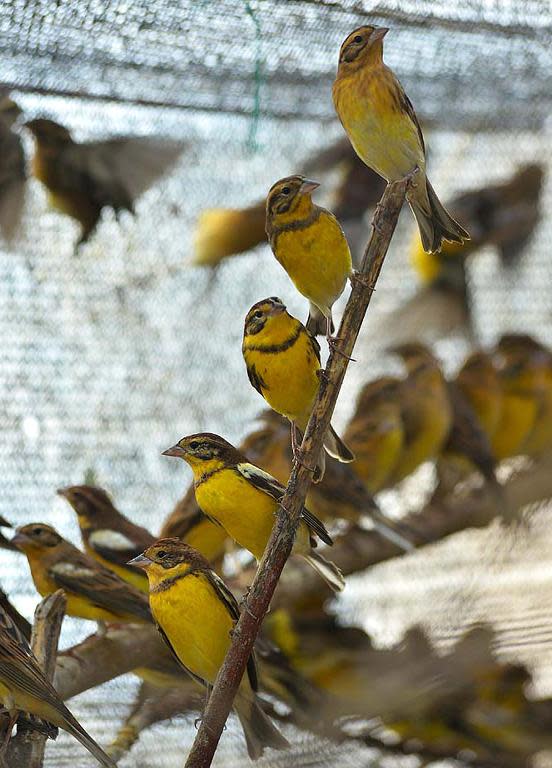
point(281, 540)
point(28, 745)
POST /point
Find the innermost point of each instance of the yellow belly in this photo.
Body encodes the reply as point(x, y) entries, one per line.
point(247, 514)
point(377, 451)
point(196, 623)
point(383, 136)
point(516, 422)
point(425, 444)
point(290, 377)
point(317, 259)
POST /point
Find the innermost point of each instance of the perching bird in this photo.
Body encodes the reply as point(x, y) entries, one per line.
point(93, 592)
point(84, 178)
point(532, 362)
point(425, 408)
point(244, 500)
point(340, 495)
point(12, 170)
point(383, 128)
point(107, 535)
point(24, 688)
point(310, 245)
point(376, 432)
point(196, 614)
point(479, 382)
point(283, 364)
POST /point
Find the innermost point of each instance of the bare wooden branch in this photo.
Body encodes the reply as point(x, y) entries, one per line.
point(27, 748)
point(283, 533)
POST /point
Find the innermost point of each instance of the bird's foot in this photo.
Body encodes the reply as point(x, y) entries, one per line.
point(333, 343)
point(361, 279)
point(244, 605)
point(298, 458)
point(322, 375)
point(411, 177)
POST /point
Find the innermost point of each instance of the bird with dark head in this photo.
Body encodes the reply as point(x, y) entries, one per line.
point(283, 364)
point(196, 614)
point(107, 535)
point(25, 688)
point(244, 500)
point(310, 245)
point(93, 592)
point(12, 169)
point(383, 128)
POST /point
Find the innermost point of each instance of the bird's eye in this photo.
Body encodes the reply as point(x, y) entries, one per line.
point(161, 554)
point(357, 39)
point(258, 314)
point(194, 445)
point(37, 531)
point(286, 190)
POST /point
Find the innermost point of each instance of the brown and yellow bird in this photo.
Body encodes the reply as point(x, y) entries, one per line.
point(376, 432)
point(244, 499)
point(283, 364)
point(478, 380)
point(84, 178)
point(12, 169)
point(308, 242)
point(93, 592)
point(107, 535)
point(196, 614)
point(425, 410)
point(25, 688)
point(383, 128)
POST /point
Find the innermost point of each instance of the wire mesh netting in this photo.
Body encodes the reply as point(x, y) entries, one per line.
point(112, 354)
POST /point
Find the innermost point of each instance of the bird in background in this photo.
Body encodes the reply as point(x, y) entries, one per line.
point(107, 535)
point(83, 178)
point(340, 495)
point(308, 242)
point(196, 614)
point(12, 169)
point(425, 409)
point(382, 126)
point(245, 499)
point(25, 688)
point(283, 364)
point(6, 543)
point(376, 431)
point(93, 592)
point(224, 232)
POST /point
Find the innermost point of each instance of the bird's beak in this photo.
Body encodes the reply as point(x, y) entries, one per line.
point(176, 450)
point(63, 492)
point(4, 523)
point(378, 34)
point(140, 561)
point(19, 539)
point(309, 186)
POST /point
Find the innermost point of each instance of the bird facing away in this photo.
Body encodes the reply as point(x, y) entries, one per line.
point(340, 495)
point(425, 408)
point(12, 170)
point(310, 245)
point(84, 178)
point(25, 688)
point(244, 500)
point(93, 592)
point(283, 364)
point(383, 128)
point(107, 535)
point(196, 614)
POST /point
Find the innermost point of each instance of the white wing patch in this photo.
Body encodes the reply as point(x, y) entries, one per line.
point(68, 569)
point(111, 540)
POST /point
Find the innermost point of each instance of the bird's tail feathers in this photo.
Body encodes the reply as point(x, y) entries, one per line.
point(336, 448)
point(316, 322)
point(258, 729)
point(327, 570)
point(434, 221)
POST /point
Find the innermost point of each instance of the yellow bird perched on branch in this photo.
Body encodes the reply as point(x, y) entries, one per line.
point(283, 364)
point(308, 242)
point(196, 614)
point(84, 178)
point(383, 128)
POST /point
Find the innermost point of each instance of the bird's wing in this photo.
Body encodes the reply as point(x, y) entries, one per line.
point(231, 604)
point(408, 109)
point(268, 484)
point(255, 379)
point(83, 577)
point(116, 547)
point(12, 182)
point(467, 435)
point(314, 344)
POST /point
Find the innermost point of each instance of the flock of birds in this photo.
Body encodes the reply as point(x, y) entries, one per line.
point(498, 406)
